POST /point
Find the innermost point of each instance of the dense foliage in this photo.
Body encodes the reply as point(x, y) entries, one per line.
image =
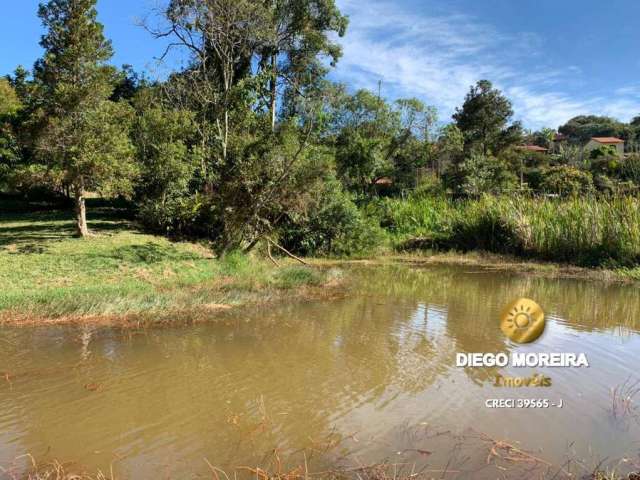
point(249, 141)
point(577, 230)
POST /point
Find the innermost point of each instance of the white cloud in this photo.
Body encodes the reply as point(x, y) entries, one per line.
point(438, 57)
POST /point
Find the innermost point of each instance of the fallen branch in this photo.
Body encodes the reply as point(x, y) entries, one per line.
point(273, 260)
point(287, 252)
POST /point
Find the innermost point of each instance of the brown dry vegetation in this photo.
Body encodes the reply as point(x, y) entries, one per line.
point(468, 455)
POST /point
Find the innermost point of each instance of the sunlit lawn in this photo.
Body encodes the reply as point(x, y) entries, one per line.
point(45, 270)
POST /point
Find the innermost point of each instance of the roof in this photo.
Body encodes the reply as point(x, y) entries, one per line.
point(383, 181)
point(607, 140)
point(533, 148)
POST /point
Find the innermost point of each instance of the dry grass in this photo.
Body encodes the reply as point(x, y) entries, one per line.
point(623, 396)
point(53, 470)
point(469, 455)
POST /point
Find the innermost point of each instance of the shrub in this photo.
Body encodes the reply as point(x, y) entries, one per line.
point(332, 226)
point(630, 168)
point(565, 180)
point(480, 174)
point(180, 216)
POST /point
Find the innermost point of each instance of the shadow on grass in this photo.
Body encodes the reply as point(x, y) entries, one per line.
point(29, 230)
point(151, 253)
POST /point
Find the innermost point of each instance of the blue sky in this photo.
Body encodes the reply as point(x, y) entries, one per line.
point(554, 58)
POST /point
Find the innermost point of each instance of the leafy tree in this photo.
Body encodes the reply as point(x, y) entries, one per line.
point(581, 128)
point(542, 138)
point(162, 137)
point(20, 82)
point(449, 148)
point(367, 127)
point(411, 148)
point(298, 34)
point(9, 101)
point(81, 133)
point(251, 171)
point(127, 83)
point(478, 174)
point(331, 225)
point(376, 139)
point(483, 120)
point(10, 106)
point(522, 161)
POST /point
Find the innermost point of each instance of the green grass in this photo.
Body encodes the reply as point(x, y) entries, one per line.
point(46, 271)
point(594, 232)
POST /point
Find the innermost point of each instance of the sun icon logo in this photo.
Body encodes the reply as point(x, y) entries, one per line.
point(523, 321)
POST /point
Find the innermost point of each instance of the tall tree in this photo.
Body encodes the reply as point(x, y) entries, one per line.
point(248, 167)
point(483, 119)
point(449, 149)
point(10, 105)
point(298, 35)
point(81, 133)
point(366, 127)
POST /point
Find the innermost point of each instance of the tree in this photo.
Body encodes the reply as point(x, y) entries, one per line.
point(566, 180)
point(297, 36)
point(128, 83)
point(478, 174)
point(222, 38)
point(366, 128)
point(81, 133)
point(251, 172)
point(483, 120)
point(581, 128)
point(10, 106)
point(163, 139)
point(542, 138)
point(449, 148)
point(9, 101)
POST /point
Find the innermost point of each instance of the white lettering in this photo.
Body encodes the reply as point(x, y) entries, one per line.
point(532, 360)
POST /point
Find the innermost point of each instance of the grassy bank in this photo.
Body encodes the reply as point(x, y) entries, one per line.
point(582, 231)
point(47, 273)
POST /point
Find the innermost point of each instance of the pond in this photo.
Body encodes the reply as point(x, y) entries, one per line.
point(366, 378)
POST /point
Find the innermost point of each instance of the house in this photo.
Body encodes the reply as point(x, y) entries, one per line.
point(597, 142)
point(533, 148)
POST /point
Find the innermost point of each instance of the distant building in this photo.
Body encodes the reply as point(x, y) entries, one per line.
point(533, 148)
point(561, 140)
point(597, 142)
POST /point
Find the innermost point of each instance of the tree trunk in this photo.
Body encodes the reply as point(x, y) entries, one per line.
point(81, 211)
point(274, 92)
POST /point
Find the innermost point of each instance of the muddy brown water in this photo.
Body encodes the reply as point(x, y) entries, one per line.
point(366, 378)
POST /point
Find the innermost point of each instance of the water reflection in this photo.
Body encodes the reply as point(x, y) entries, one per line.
point(371, 363)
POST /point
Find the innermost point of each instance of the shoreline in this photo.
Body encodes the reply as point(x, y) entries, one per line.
point(325, 281)
point(229, 300)
point(495, 262)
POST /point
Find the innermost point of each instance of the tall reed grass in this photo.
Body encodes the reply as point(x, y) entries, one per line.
point(585, 231)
